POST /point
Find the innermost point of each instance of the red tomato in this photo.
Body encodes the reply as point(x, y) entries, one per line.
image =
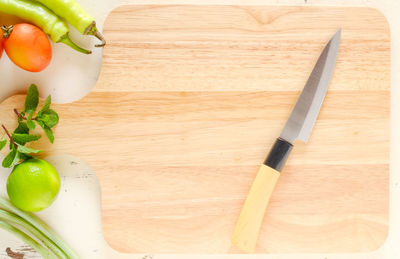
point(28, 47)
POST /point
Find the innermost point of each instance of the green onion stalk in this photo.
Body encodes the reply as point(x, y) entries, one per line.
point(53, 245)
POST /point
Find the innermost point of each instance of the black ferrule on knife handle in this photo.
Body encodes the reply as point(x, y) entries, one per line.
point(278, 155)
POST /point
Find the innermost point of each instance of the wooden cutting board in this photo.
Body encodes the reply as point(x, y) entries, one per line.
point(189, 100)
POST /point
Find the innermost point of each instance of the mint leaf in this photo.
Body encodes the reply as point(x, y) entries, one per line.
point(3, 142)
point(45, 106)
point(30, 114)
point(49, 134)
point(31, 125)
point(49, 118)
point(17, 159)
point(22, 128)
point(47, 130)
point(27, 150)
point(24, 138)
point(11, 159)
point(32, 99)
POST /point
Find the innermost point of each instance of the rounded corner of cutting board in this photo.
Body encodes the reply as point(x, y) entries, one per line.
point(380, 14)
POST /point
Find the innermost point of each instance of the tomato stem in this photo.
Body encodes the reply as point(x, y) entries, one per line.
point(7, 31)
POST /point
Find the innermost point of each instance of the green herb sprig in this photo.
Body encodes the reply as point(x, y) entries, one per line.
point(46, 118)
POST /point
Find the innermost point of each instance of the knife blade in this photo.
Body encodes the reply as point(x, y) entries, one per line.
point(298, 127)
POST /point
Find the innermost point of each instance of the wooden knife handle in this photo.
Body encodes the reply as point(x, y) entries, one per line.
point(248, 225)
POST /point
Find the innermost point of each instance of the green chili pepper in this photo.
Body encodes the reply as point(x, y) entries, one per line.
point(73, 13)
point(42, 17)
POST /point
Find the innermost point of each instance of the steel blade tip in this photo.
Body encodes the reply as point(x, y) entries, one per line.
point(304, 114)
point(337, 35)
point(309, 122)
point(335, 40)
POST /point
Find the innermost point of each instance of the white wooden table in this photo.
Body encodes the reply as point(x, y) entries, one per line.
point(76, 214)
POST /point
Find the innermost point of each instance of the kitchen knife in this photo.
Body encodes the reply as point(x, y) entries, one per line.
point(298, 126)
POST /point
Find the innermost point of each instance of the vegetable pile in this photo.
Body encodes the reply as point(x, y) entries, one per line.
point(34, 183)
point(50, 16)
point(27, 45)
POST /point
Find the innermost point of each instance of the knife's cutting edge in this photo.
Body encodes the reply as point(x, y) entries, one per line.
point(305, 112)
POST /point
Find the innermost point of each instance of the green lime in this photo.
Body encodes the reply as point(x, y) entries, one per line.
point(33, 185)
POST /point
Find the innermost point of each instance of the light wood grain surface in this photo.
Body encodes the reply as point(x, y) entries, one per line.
point(189, 100)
